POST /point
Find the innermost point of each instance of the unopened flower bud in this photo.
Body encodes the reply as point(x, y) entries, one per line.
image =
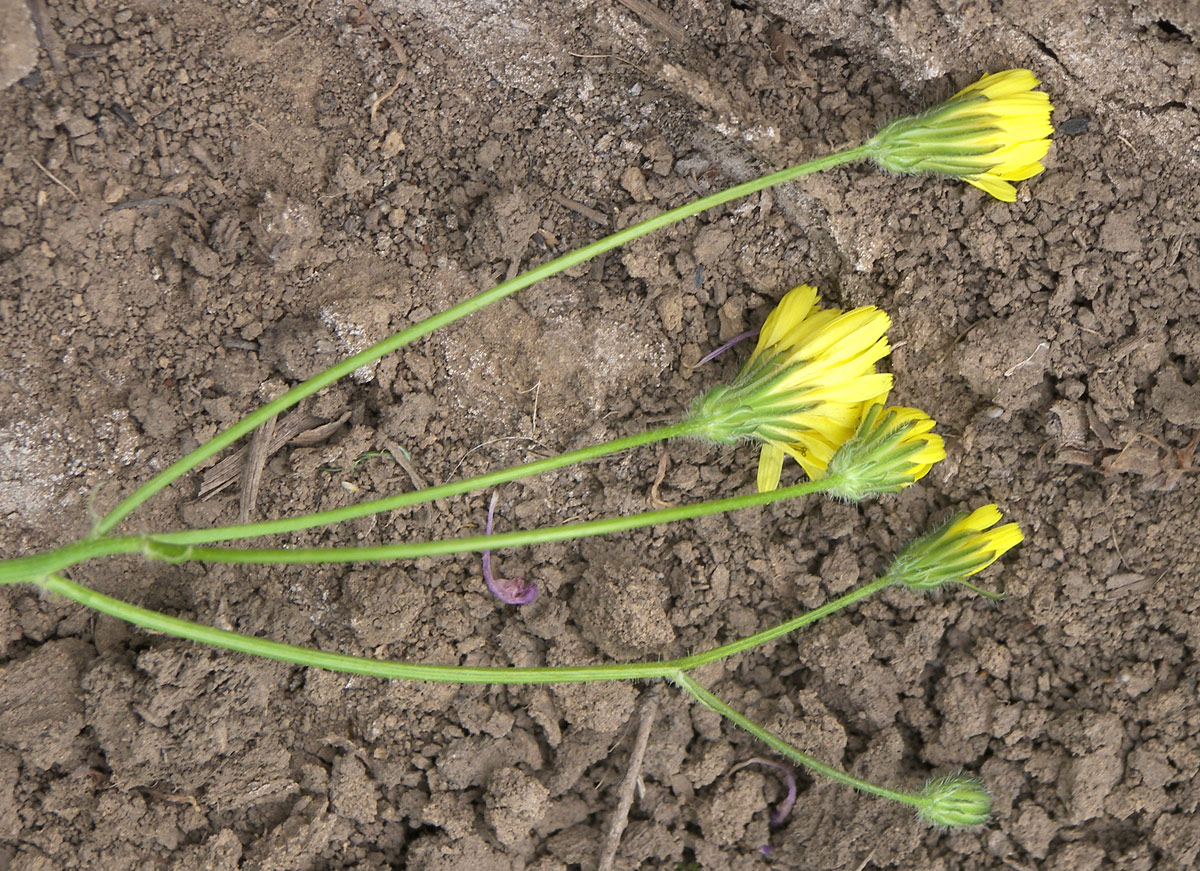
point(891, 449)
point(989, 134)
point(963, 546)
point(955, 802)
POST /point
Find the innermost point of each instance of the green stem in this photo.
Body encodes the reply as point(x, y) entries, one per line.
point(411, 334)
point(741, 645)
point(783, 747)
point(429, 494)
point(341, 662)
point(31, 568)
point(161, 549)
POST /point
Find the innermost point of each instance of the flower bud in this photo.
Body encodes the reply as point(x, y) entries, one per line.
point(891, 449)
point(989, 134)
point(955, 801)
point(963, 546)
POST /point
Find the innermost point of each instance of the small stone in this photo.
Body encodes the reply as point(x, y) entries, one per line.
point(1035, 830)
point(622, 614)
point(353, 791)
point(1089, 779)
point(601, 707)
point(711, 243)
point(114, 192)
point(488, 154)
point(347, 176)
point(634, 182)
point(41, 707)
point(393, 144)
point(287, 231)
point(1178, 401)
point(203, 259)
point(77, 125)
point(726, 819)
point(1121, 233)
point(18, 47)
point(13, 216)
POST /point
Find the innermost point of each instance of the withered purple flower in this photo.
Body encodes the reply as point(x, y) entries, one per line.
point(510, 591)
point(780, 812)
point(740, 337)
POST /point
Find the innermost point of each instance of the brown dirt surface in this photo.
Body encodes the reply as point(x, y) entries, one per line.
point(201, 202)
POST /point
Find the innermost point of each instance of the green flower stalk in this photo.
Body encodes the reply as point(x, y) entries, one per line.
point(949, 801)
point(801, 392)
point(965, 545)
point(989, 134)
point(891, 449)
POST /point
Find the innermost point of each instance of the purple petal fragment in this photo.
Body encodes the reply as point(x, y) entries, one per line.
point(510, 591)
point(781, 811)
point(721, 350)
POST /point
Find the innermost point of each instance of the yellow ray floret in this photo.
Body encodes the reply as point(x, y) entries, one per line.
point(982, 544)
point(891, 449)
point(802, 390)
point(964, 546)
point(913, 428)
point(989, 134)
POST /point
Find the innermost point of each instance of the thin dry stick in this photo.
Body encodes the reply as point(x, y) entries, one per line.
point(256, 459)
point(620, 817)
point(58, 181)
point(664, 460)
point(418, 482)
point(580, 209)
point(482, 445)
point(365, 16)
point(177, 202)
point(46, 35)
point(655, 17)
point(299, 429)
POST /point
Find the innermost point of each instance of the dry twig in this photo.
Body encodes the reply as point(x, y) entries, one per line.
point(58, 181)
point(580, 209)
point(655, 17)
point(365, 17)
point(620, 817)
point(299, 429)
point(176, 202)
point(664, 461)
point(397, 453)
point(257, 454)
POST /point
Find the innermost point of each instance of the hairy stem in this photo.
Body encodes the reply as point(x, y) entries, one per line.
point(783, 747)
point(30, 568)
point(201, 634)
point(162, 549)
point(428, 494)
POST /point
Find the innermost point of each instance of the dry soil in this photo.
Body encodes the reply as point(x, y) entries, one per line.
point(201, 203)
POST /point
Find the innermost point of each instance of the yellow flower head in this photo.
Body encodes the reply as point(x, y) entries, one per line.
point(989, 134)
point(964, 546)
point(891, 449)
point(802, 390)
